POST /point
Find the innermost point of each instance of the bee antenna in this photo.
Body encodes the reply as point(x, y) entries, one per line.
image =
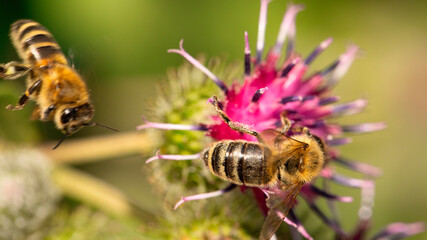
point(60, 141)
point(100, 125)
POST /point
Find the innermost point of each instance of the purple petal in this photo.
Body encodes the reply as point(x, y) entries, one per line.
point(347, 181)
point(338, 141)
point(291, 41)
point(290, 66)
point(204, 195)
point(359, 166)
point(328, 100)
point(258, 94)
point(286, 25)
point(209, 101)
point(298, 225)
point(330, 196)
point(296, 99)
point(364, 128)
point(349, 108)
point(323, 45)
point(261, 29)
point(343, 65)
point(247, 56)
point(329, 69)
point(400, 230)
point(198, 65)
point(173, 157)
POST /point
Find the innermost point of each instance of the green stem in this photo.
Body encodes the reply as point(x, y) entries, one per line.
point(93, 191)
point(99, 148)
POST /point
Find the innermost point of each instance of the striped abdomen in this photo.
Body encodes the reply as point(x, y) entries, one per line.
point(239, 162)
point(35, 43)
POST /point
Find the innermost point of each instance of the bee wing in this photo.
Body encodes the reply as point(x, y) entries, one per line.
point(278, 209)
point(272, 137)
point(35, 115)
point(284, 146)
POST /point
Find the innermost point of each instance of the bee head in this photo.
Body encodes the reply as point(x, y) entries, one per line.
point(73, 118)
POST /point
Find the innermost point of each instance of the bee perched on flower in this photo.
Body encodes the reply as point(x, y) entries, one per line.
point(272, 132)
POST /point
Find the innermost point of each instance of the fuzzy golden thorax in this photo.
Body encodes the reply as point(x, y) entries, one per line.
point(308, 166)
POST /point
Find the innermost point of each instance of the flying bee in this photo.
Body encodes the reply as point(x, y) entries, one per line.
point(276, 160)
point(60, 93)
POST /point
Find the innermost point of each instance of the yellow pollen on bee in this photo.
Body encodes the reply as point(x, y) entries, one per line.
point(10, 71)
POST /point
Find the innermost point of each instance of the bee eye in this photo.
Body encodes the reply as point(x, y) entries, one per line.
point(319, 141)
point(67, 115)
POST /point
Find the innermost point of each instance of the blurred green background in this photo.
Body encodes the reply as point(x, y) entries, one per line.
point(120, 49)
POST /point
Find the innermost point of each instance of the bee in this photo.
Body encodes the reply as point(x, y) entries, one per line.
point(277, 159)
point(60, 93)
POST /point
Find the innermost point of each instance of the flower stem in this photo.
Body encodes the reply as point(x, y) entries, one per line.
point(99, 148)
point(95, 192)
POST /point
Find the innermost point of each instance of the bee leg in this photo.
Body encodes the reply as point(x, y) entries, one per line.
point(306, 131)
point(13, 70)
point(235, 125)
point(23, 100)
point(287, 125)
point(47, 112)
point(285, 122)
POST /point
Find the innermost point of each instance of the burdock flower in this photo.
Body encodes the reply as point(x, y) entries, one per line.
point(28, 197)
point(273, 87)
